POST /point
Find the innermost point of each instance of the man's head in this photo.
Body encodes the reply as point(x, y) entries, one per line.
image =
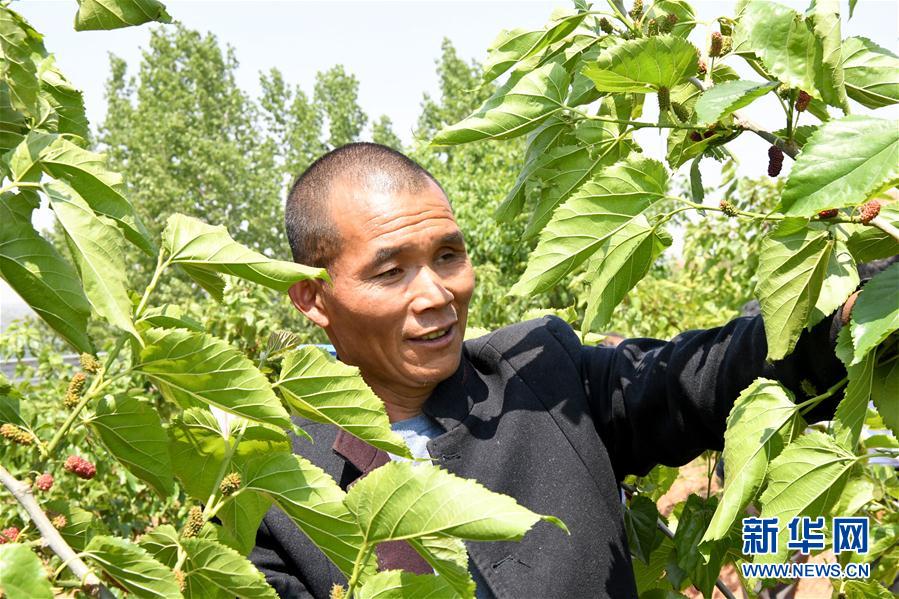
point(384, 229)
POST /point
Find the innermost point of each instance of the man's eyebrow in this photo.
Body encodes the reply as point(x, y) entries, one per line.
point(386, 254)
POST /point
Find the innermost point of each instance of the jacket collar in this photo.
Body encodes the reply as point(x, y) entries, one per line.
point(452, 399)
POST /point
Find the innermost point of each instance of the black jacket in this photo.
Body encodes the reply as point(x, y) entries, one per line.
point(536, 415)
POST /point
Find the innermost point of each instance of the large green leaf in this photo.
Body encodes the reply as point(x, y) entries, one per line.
point(641, 525)
point(621, 262)
point(763, 419)
point(132, 567)
point(65, 100)
point(449, 559)
point(806, 479)
point(850, 414)
point(195, 369)
point(884, 391)
point(36, 271)
point(871, 72)
point(17, 43)
point(113, 14)
point(211, 565)
point(844, 162)
point(728, 97)
point(399, 584)
point(400, 500)
point(791, 271)
point(517, 107)
point(162, 544)
point(320, 388)
point(644, 65)
point(98, 249)
point(693, 521)
point(825, 17)
point(512, 46)
point(197, 246)
point(601, 208)
point(22, 576)
point(840, 280)
point(313, 501)
point(12, 122)
point(876, 312)
point(131, 430)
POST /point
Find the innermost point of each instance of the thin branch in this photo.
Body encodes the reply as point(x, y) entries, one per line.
point(885, 226)
point(54, 540)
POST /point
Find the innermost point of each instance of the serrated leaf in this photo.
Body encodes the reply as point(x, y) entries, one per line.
point(22, 576)
point(169, 316)
point(884, 391)
point(871, 73)
point(194, 245)
point(806, 479)
point(762, 420)
point(400, 500)
point(98, 248)
point(728, 97)
point(449, 559)
point(865, 589)
point(850, 414)
point(198, 369)
point(131, 430)
point(825, 17)
point(644, 65)
point(211, 565)
point(42, 277)
point(640, 522)
point(65, 100)
point(621, 262)
point(693, 521)
point(517, 107)
point(12, 122)
point(876, 312)
point(162, 544)
point(17, 68)
point(792, 267)
point(844, 162)
point(318, 387)
point(114, 14)
point(81, 525)
point(132, 567)
point(840, 280)
point(399, 584)
point(599, 209)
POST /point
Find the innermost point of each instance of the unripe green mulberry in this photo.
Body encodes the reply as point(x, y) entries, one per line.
point(668, 24)
point(16, 434)
point(652, 28)
point(337, 592)
point(727, 208)
point(869, 211)
point(680, 111)
point(636, 10)
point(605, 26)
point(727, 44)
point(802, 101)
point(664, 99)
point(90, 363)
point(775, 161)
point(194, 523)
point(230, 484)
point(76, 388)
point(716, 44)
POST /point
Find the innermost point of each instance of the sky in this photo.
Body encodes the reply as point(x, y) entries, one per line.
point(391, 47)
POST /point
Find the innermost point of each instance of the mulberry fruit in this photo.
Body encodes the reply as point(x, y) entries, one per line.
point(16, 434)
point(636, 10)
point(338, 591)
point(80, 467)
point(668, 24)
point(230, 484)
point(703, 68)
point(194, 523)
point(44, 482)
point(802, 101)
point(605, 26)
point(727, 208)
point(695, 136)
point(59, 521)
point(179, 578)
point(680, 111)
point(90, 363)
point(652, 28)
point(824, 214)
point(9, 535)
point(664, 99)
point(716, 44)
point(76, 388)
point(775, 161)
point(869, 211)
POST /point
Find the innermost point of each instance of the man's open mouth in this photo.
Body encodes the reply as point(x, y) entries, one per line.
point(435, 336)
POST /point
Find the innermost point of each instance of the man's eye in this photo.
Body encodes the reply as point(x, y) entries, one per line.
point(388, 273)
point(449, 255)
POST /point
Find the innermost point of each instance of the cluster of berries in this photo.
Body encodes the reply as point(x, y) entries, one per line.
point(9, 535)
point(720, 44)
point(44, 482)
point(657, 26)
point(230, 484)
point(727, 208)
point(636, 10)
point(802, 101)
point(775, 161)
point(194, 523)
point(76, 388)
point(16, 434)
point(869, 211)
point(80, 467)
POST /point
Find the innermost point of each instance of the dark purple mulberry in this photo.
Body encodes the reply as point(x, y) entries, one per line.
point(775, 161)
point(802, 101)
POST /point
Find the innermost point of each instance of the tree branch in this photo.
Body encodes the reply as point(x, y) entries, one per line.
point(51, 536)
point(885, 226)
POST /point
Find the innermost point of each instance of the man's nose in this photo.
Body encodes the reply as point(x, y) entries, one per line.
point(429, 291)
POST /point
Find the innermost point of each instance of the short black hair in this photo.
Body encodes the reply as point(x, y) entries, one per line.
point(314, 239)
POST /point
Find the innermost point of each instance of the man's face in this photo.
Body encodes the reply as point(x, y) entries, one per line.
point(402, 275)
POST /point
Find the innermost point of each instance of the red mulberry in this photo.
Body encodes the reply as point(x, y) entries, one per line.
point(59, 521)
point(703, 68)
point(716, 44)
point(869, 211)
point(775, 161)
point(802, 101)
point(695, 136)
point(44, 482)
point(80, 467)
point(830, 213)
point(9, 535)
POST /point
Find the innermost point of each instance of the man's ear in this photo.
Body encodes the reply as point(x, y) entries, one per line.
point(306, 295)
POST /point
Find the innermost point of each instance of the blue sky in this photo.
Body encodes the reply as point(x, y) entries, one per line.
point(391, 47)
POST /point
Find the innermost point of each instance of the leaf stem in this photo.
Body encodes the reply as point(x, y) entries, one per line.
point(161, 265)
point(211, 505)
point(19, 184)
point(361, 558)
point(808, 405)
point(618, 7)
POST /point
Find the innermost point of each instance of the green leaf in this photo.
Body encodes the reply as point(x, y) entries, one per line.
point(193, 244)
point(850, 414)
point(864, 589)
point(400, 500)
point(21, 574)
point(884, 392)
point(36, 271)
point(318, 387)
point(697, 191)
point(644, 65)
point(686, 18)
point(840, 280)
point(65, 100)
point(726, 98)
point(512, 46)
point(449, 559)
point(791, 271)
point(857, 493)
point(315, 503)
point(399, 584)
point(162, 544)
point(825, 17)
point(169, 316)
point(621, 262)
point(114, 14)
point(870, 243)
point(845, 162)
point(876, 312)
point(81, 525)
point(197, 369)
point(640, 522)
point(98, 249)
point(131, 430)
point(871, 72)
point(132, 567)
point(599, 209)
point(211, 565)
point(691, 525)
point(762, 420)
point(12, 122)
point(806, 479)
point(17, 68)
point(517, 107)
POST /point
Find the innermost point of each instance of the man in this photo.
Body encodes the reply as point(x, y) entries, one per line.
point(526, 410)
